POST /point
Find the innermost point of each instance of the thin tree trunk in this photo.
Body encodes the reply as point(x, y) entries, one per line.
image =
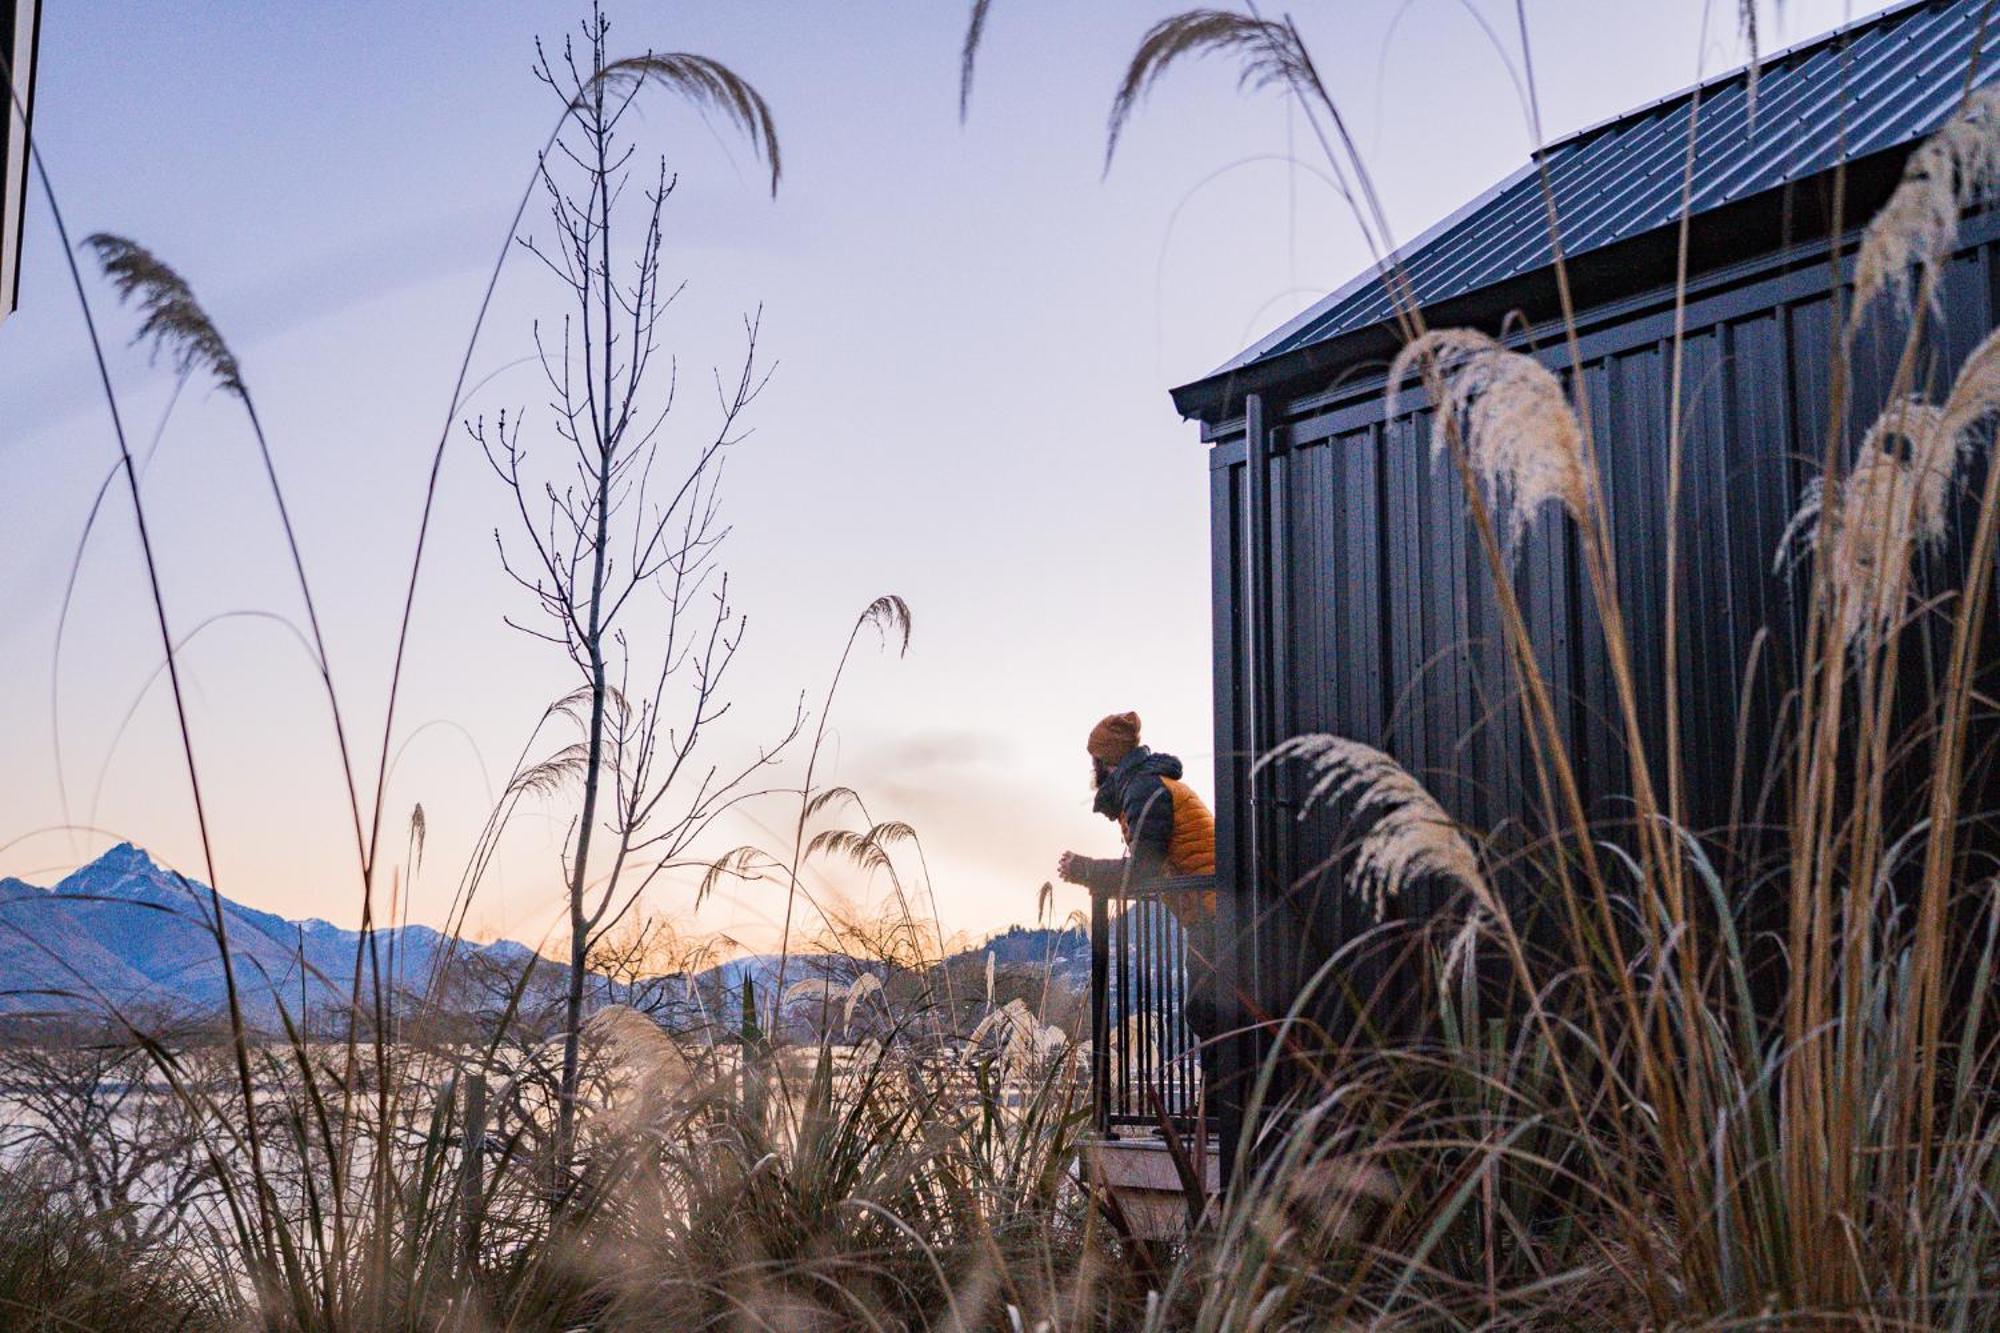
point(579, 925)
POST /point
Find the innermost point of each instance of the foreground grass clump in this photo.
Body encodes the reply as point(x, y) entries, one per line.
point(907, 1180)
point(62, 1268)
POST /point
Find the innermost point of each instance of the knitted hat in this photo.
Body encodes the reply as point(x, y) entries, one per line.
point(1114, 738)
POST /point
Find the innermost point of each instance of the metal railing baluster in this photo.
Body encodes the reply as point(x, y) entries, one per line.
point(1146, 1054)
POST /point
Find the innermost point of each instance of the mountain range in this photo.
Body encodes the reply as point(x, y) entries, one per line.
point(124, 931)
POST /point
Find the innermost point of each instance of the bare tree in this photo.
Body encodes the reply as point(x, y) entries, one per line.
point(85, 1111)
point(617, 538)
point(648, 965)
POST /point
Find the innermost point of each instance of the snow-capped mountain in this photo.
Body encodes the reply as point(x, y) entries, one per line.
point(126, 932)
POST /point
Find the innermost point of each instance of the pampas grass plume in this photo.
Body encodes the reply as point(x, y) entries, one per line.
point(828, 991)
point(1955, 168)
point(174, 321)
point(1411, 835)
point(1522, 439)
point(708, 84)
point(1894, 499)
point(1268, 52)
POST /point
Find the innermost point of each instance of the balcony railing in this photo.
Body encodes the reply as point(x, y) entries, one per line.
point(1145, 1056)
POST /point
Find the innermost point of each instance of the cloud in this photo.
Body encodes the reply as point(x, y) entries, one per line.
point(992, 823)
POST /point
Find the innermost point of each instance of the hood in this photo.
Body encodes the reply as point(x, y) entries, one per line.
point(1142, 762)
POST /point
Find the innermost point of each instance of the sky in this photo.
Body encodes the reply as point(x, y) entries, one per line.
point(971, 329)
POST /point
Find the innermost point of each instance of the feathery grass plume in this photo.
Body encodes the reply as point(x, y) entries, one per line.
point(813, 988)
point(707, 83)
point(1894, 499)
point(554, 773)
point(852, 844)
point(1521, 436)
point(738, 863)
point(890, 615)
point(1004, 1019)
point(1888, 505)
point(1955, 168)
point(630, 1068)
point(867, 848)
point(1411, 836)
point(1026, 1043)
point(858, 990)
point(576, 704)
point(832, 796)
point(827, 991)
point(634, 1044)
point(1974, 396)
point(1270, 52)
point(419, 831)
point(174, 321)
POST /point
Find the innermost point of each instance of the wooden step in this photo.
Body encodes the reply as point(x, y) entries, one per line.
point(1141, 1176)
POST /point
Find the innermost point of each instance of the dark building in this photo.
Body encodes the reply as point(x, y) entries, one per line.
point(1350, 593)
point(19, 25)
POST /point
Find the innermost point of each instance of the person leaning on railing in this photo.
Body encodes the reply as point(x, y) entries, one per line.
point(1169, 833)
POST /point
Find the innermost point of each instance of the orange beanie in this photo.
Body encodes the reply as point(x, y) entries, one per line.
point(1114, 737)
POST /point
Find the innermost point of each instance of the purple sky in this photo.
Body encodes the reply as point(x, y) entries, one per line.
point(974, 337)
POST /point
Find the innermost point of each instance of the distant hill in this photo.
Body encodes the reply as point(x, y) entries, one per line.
point(1066, 951)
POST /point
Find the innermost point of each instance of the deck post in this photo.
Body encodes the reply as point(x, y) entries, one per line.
point(1238, 988)
point(1100, 1017)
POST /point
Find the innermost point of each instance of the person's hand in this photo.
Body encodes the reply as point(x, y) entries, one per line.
point(1066, 868)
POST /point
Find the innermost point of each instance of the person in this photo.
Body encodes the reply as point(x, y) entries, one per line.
point(1167, 829)
point(1168, 833)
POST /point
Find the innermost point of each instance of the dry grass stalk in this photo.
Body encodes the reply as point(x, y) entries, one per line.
point(1269, 53)
point(1411, 836)
point(1955, 168)
point(1522, 438)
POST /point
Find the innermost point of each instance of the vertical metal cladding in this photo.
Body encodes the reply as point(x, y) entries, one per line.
point(1378, 618)
point(1352, 595)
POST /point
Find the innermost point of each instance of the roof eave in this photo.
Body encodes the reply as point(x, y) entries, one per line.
point(1311, 314)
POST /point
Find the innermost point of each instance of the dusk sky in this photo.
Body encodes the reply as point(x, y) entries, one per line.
point(973, 333)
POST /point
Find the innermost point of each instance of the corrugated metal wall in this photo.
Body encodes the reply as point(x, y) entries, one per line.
point(1379, 620)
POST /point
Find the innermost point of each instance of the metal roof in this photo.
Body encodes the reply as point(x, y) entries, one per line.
point(1881, 83)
